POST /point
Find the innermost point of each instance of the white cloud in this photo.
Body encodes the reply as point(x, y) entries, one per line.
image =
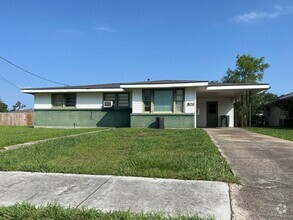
point(103, 27)
point(254, 16)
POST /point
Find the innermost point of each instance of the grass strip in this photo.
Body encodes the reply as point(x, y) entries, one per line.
point(279, 132)
point(55, 211)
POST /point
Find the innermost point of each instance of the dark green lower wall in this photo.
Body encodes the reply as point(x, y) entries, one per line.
point(82, 118)
point(108, 118)
point(170, 121)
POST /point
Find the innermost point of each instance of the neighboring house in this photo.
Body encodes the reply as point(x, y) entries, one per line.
point(274, 115)
point(182, 103)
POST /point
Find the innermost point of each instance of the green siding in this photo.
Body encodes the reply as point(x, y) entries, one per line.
point(82, 118)
point(170, 120)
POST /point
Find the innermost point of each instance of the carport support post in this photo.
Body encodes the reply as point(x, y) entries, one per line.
point(195, 108)
point(249, 94)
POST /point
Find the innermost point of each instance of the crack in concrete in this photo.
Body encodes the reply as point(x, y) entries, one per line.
point(94, 192)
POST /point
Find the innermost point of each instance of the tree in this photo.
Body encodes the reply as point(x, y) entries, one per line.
point(18, 106)
point(269, 97)
point(248, 70)
point(3, 106)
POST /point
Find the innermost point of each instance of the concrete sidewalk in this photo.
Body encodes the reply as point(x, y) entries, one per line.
point(109, 193)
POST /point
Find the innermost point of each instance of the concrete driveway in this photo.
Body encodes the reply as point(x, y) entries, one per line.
point(265, 166)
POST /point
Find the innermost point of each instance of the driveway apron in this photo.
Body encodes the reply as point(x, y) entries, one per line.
point(265, 167)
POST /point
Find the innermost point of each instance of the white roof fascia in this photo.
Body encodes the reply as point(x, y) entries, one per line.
point(239, 87)
point(70, 90)
point(172, 85)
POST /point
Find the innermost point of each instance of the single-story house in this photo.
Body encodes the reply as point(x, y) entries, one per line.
point(182, 103)
point(274, 116)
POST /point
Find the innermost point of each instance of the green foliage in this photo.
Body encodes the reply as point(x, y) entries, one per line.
point(3, 106)
point(18, 106)
point(55, 211)
point(248, 70)
point(269, 97)
point(174, 153)
point(284, 133)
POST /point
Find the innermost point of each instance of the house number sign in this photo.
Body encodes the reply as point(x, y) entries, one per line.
point(190, 104)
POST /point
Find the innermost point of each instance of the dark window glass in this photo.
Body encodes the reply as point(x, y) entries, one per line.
point(212, 109)
point(57, 100)
point(147, 99)
point(70, 100)
point(64, 100)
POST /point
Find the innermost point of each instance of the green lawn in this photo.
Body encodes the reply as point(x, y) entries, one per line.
point(180, 154)
point(10, 135)
point(284, 133)
point(26, 211)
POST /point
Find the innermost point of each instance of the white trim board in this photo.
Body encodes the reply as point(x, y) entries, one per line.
point(70, 90)
point(238, 87)
point(173, 85)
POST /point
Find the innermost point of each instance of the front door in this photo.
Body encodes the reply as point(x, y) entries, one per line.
point(212, 114)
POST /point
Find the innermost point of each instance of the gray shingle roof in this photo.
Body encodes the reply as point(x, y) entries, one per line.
point(163, 82)
point(116, 85)
point(235, 84)
point(97, 86)
point(287, 96)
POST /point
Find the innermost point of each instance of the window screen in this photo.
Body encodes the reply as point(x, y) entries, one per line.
point(123, 100)
point(120, 100)
point(179, 98)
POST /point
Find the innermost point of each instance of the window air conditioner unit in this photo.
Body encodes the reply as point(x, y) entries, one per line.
point(108, 104)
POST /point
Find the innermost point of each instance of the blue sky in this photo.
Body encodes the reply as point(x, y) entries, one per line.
point(93, 42)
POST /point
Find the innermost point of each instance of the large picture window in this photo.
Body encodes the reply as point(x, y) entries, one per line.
point(167, 100)
point(163, 101)
point(64, 100)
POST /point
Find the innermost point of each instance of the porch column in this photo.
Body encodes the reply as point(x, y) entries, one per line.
point(195, 108)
